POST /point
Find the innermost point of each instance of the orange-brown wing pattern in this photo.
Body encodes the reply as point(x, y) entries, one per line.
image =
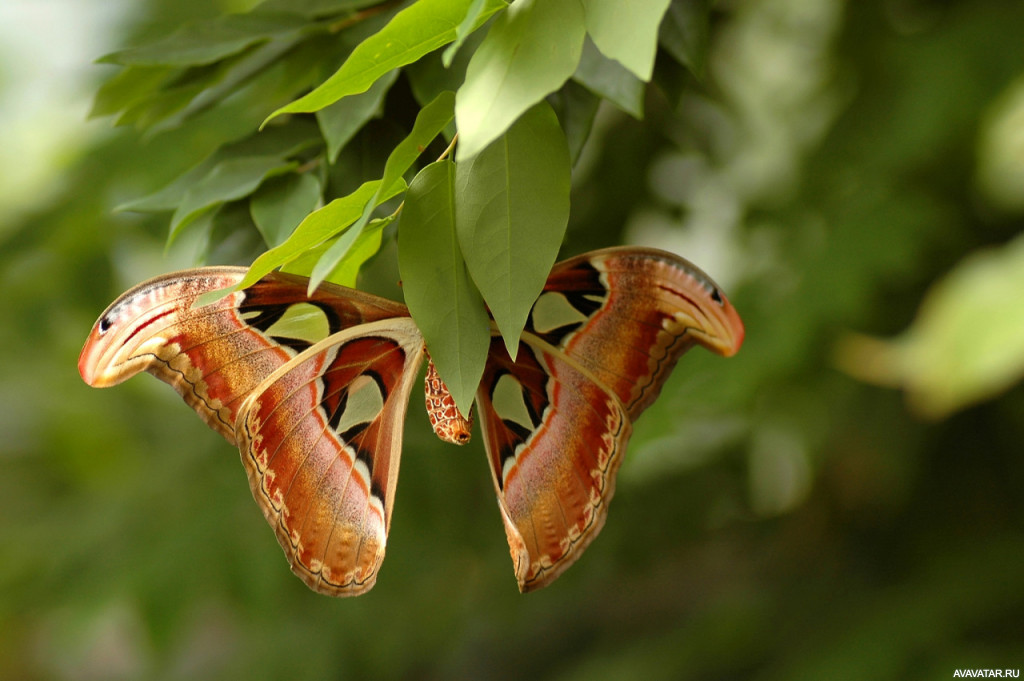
point(601, 340)
point(628, 314)
point(554, 439)
point(214, 355)
point(321, 440)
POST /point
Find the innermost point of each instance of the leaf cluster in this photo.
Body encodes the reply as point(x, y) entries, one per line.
point(505, 94)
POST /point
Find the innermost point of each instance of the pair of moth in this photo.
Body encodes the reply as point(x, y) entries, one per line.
point(313, 391)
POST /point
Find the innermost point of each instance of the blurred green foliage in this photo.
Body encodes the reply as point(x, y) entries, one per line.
point(775, 518)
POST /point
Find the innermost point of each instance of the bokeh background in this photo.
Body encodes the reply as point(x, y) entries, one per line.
point(842, 500)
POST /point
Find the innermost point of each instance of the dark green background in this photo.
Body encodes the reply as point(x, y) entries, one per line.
point(774, 518)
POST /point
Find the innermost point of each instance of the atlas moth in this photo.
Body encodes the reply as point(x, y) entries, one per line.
point(313, 391)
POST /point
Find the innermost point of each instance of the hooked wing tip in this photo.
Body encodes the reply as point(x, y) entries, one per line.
point(721, 331)
point(87, 368)
point(734, 331)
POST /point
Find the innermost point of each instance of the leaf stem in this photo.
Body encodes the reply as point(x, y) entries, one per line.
point(447, 152)
point(444, 154)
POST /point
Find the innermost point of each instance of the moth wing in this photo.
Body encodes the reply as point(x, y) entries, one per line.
point(321, 439)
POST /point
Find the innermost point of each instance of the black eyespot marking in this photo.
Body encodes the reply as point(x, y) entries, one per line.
point(105, 324)
point(716, 295)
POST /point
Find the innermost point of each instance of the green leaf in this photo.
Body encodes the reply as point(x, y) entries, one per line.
point(346, 272)
point(464, 30)
point(342, 120)
point(318, 227)
point(289, 139)
point(231, 232)
point(245, 108)
point(365, 247)
point(196, 241)
point(282, 203)
point(169, 196)
point(418, 29)
point(231, 75)
point(511, 211)
point(441, 297)
point(431, 120)
point(627, 31)
point(576, 107)
point(686, 33)
point(227, 181)
point(610, 80)
point(210, 41)
point(127, 88)
point(429, 76)
point(966, 344)
point(334, 256)
point(147, 112)
point(529, 52)
point(282, 141)
point(242, 87)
